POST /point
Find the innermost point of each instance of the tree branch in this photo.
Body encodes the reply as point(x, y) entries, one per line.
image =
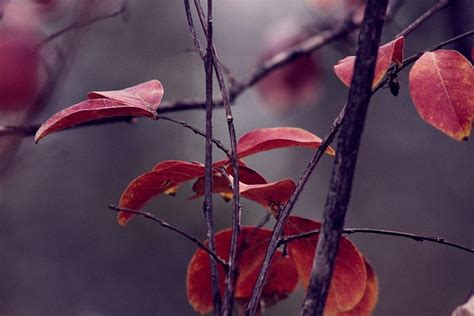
point(197, 131)
point(207, 206)
point(439, 240)
point(172, 228)
point(346, 158)
point(83, 23)
point(425, 16)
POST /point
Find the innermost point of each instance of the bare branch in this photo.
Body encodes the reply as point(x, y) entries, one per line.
point(83, 23)
point(424, 17)
point(197, 131)
point(192, 30)
point(439, 240)
point(172, 228)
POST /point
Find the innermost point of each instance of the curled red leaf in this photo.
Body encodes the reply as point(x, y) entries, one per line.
point(389, 53)
point(442, 88)
point(139, 100)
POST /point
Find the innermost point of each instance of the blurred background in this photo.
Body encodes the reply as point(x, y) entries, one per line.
point(61, 250)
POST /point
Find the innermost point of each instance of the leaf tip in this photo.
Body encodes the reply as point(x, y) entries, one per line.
point(122, 220)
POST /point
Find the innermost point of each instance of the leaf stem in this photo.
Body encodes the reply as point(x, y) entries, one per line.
point(172, 228)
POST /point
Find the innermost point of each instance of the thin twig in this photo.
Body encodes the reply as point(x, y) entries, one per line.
point(83, 23)
point(439, 240)
point(172, 228)
point(425, 16)
point(192, 29)
point(207, 206)
point(197, 131)
point(415, 57)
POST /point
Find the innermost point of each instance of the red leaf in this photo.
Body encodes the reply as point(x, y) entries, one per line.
point(264, 139)
point(282, 278)
point(442, 88)
point(153, 183)
point(272, 195)
point(222, 186)
point(369, 300)
point(349, 279)
point(147, 94)
point(389, 53)
point(139, 100)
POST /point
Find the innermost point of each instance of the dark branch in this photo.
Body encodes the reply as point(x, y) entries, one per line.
point(172, 228)
point(349, 138)
point(439, 240)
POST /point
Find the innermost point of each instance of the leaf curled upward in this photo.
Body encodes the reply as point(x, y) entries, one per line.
point(442, 88)
point(139, 100)
point(389, 53)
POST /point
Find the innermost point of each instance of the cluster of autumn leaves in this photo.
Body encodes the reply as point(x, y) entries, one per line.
point(441, 88)
point(354, 286)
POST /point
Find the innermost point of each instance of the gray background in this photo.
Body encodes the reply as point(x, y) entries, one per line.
point(62, 253)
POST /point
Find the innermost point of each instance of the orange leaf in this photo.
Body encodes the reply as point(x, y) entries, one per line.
point(264, 139)
point(442, 88)
point(281, 281)
point(349, 279)
point(139, 100)
point(369, 300)
point(153, 183)
point(389, 53)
